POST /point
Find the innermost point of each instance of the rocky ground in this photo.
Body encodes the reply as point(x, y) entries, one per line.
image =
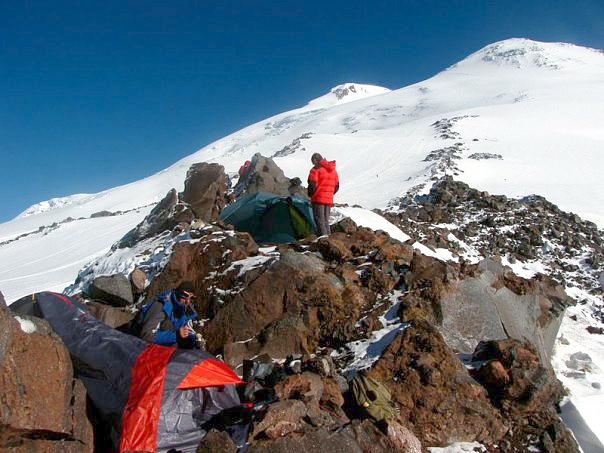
point(309, 307)
point(457, 217)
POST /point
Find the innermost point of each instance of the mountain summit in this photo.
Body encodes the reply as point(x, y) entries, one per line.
point(346, 92)
point(523, 53)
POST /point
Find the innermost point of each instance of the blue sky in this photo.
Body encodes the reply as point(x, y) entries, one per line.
point(99, 94)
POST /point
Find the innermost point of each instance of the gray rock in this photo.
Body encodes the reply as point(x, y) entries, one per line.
point(161, 218)
point(113, 289)
point(112, 316)
point(266, 176)
point(478, 309)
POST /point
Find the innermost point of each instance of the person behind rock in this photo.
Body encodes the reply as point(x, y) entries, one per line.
point(323, 183)
point(168, 319)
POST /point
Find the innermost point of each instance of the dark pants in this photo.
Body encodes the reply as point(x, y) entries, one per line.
point(321, 212)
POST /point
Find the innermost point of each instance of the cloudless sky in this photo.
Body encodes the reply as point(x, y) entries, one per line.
point(98, 94)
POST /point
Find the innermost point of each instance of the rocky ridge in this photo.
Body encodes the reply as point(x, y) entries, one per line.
point(306, 308)
point(475, 225)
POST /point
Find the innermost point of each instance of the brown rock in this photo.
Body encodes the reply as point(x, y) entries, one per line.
point(333, 247)
point(281, 418)
point(138, 280)
point(331, 392)
point(370, 438)
point(42, 406)
point(346, 225)
point(311, 440)
point(395, 251)
point(438, 399)
point(306, 386)
point(293, 288)
point(216, 441)
point(205, 190)
point(194, 262)
point(402, 438)
point(527, 393)
point(325, 416)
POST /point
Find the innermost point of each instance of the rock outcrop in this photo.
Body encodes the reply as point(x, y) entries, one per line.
point(438, 399)
point(42, 406)
point(203, 199)
point(519, 231)
point(322, 295)
point(483, 302)
point(205, 190)
point(265, 176)
point(165, 216)
point(526, 392)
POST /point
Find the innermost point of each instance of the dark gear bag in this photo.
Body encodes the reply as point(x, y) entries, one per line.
point(373, 396)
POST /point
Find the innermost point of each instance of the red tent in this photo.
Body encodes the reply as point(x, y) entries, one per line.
point(157, 397)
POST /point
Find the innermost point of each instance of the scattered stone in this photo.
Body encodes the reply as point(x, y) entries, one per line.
point(579, 361)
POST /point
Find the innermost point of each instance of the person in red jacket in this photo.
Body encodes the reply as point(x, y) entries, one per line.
point(323, 183)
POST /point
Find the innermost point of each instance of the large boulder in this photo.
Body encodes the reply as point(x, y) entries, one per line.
point(484, 302)
point(205, 190)
point(115, 290)
point(527, 392)
point(42, 406)
point(165, 216)
point(438, 400)
point(289, 307)
point(265, 176)
point(496, 304)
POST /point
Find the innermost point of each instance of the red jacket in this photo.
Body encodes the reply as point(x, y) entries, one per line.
point(323, 182)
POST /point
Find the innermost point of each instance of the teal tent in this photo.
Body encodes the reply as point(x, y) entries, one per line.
point(269, 217)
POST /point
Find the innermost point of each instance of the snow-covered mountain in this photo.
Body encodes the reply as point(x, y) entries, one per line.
point(515, 118)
